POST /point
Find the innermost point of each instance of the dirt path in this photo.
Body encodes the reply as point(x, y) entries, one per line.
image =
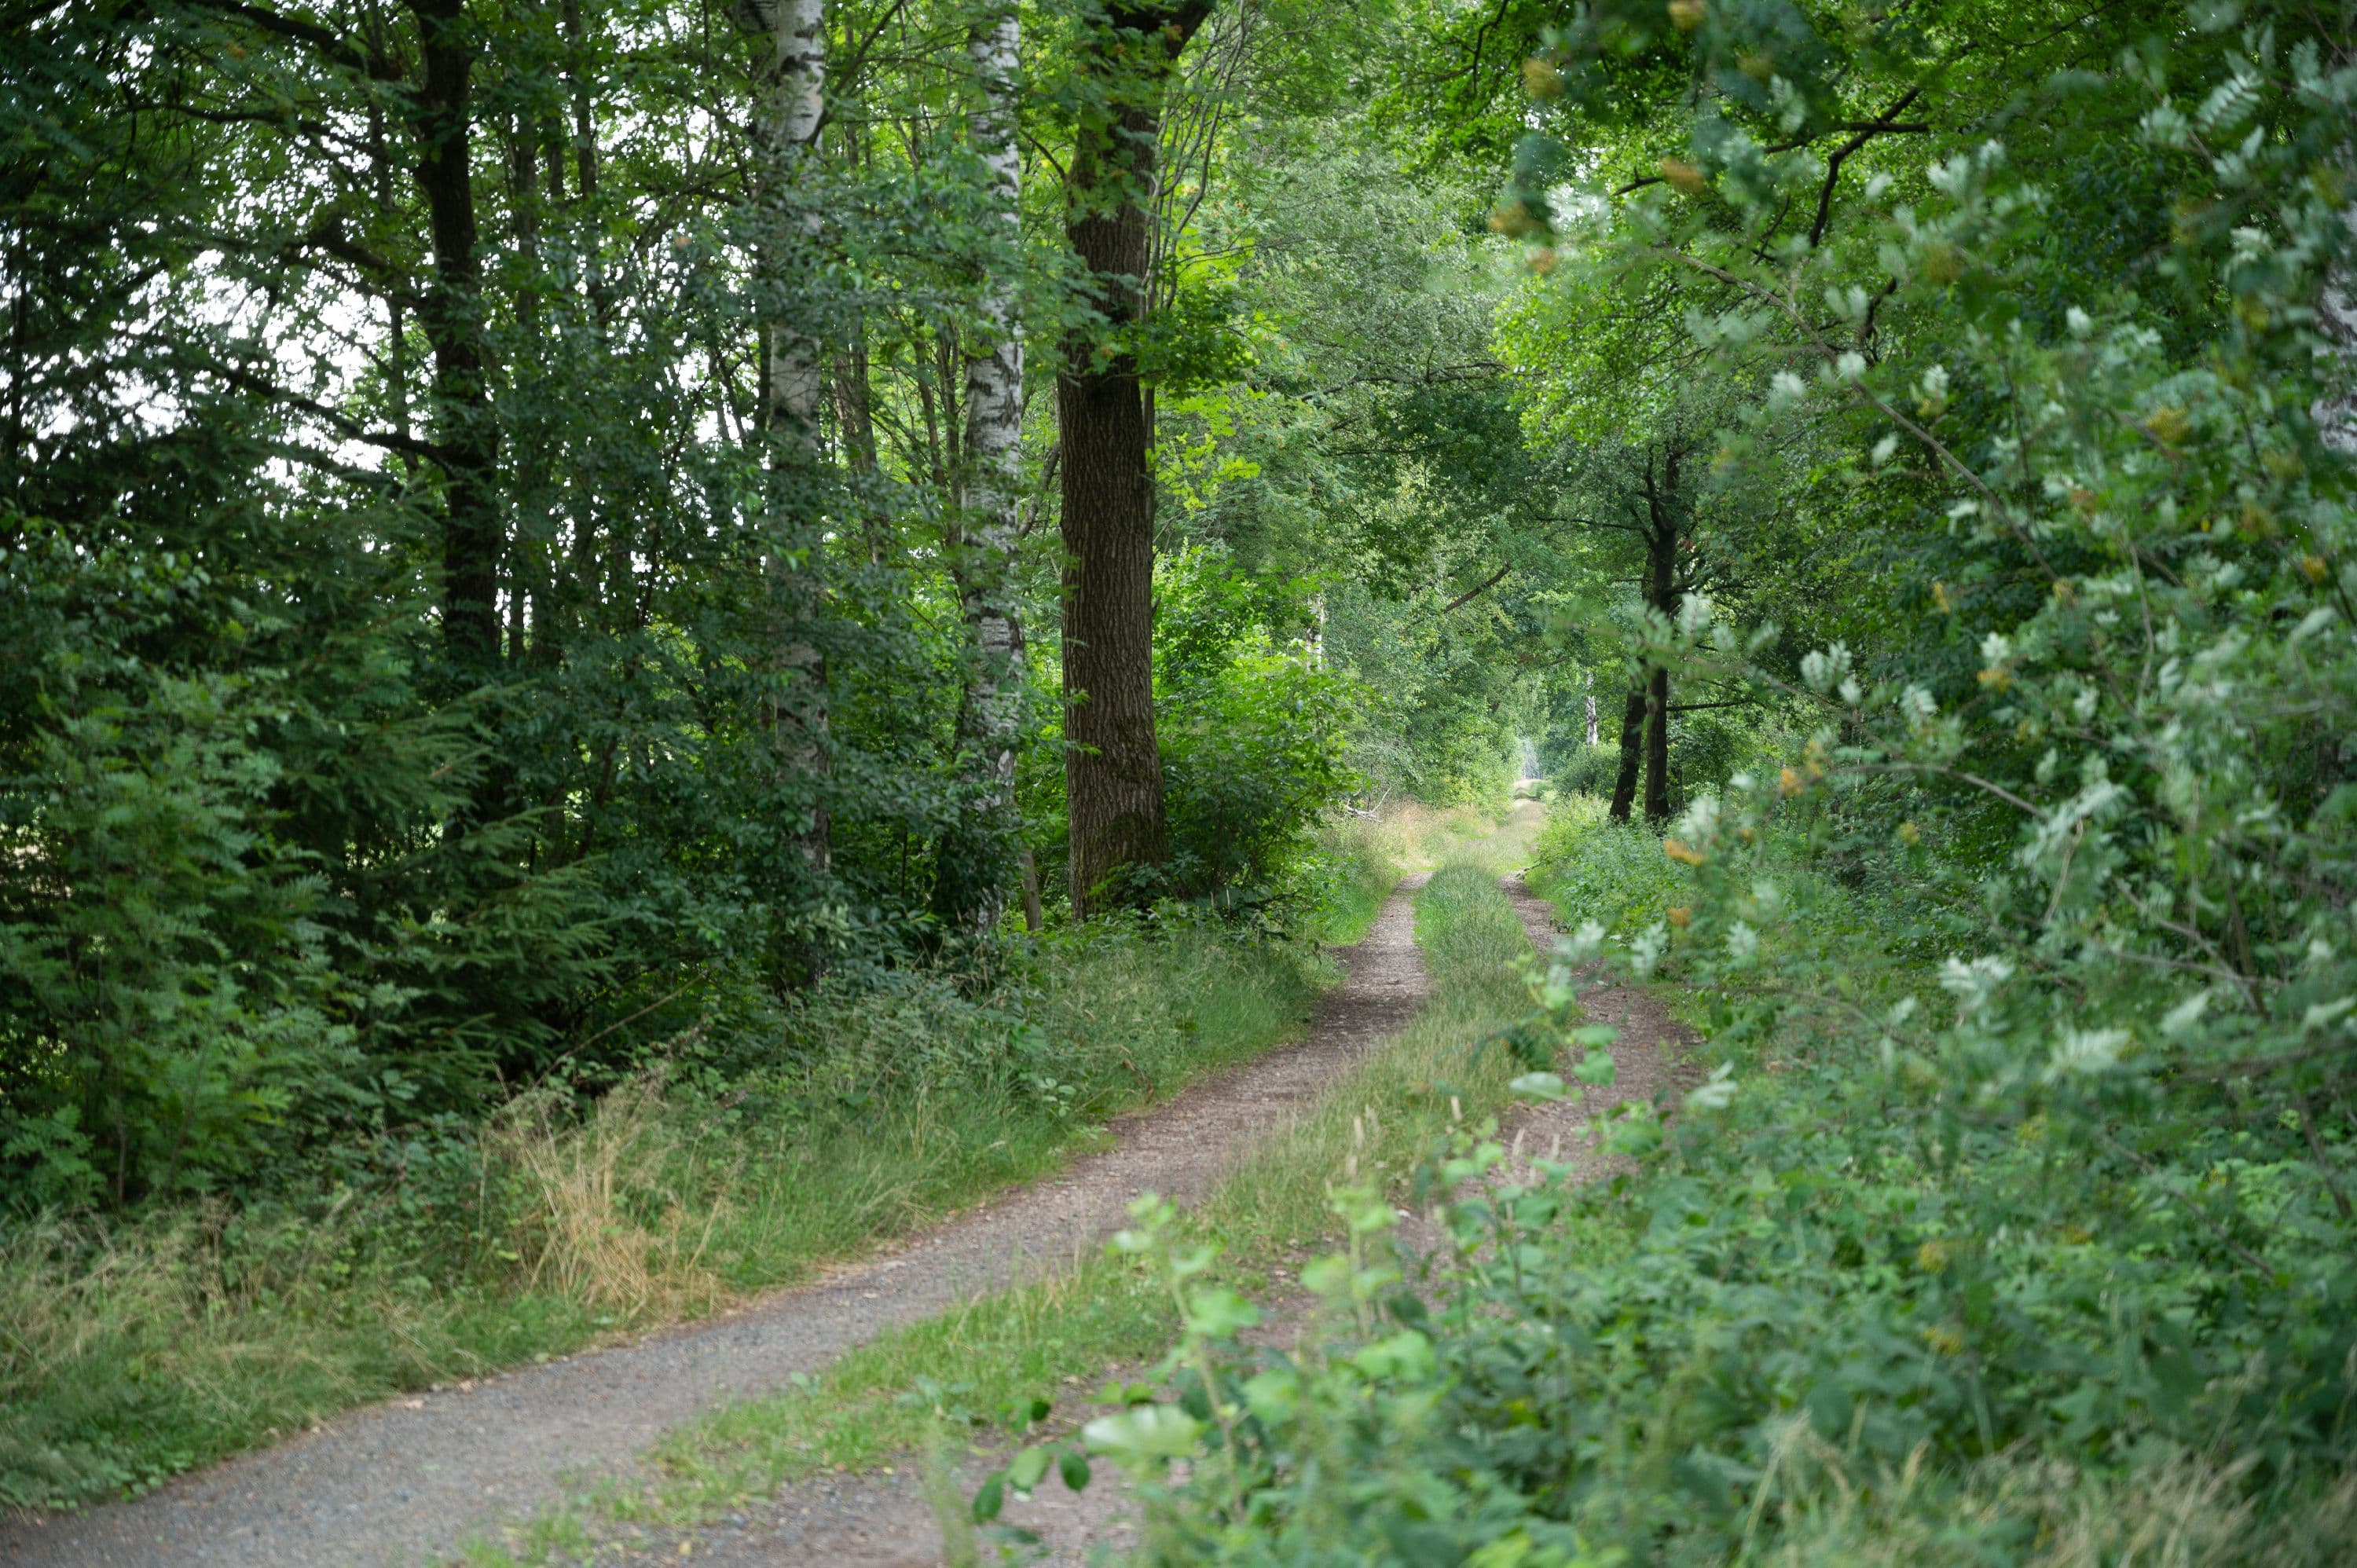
point(407, 1481)
point(1645, 1060)
point(885, 1520)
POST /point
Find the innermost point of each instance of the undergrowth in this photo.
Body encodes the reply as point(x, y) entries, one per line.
point(1833, 1313)
point(976, 1372)
point(133, 1349)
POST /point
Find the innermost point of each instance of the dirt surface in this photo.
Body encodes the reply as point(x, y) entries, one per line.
point(1645, 1058)
point(407, 1481)
point(885, 1520)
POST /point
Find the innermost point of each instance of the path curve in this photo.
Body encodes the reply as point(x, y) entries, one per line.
point(884, 1521)
point(408, 1480)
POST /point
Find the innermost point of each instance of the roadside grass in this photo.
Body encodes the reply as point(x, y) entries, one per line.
point(130, 1353)
point(977, 1368)
point(1358, 862)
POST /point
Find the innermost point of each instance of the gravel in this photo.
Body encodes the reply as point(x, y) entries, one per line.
point(885, 1520)
point(407, 1481)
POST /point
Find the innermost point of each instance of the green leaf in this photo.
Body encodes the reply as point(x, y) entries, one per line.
point(1026, 1470)
point(1145, 1437)
point(1540, 1086)
point(1220, 1314)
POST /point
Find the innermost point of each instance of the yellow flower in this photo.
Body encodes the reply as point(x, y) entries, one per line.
point(1680, 853)
point(1931, 1257)
point(2314, 566)
point(1788, 783)
point(1679, 915)
point(1997, 677)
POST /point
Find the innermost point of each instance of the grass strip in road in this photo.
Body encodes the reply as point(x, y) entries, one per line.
point(972, 1365)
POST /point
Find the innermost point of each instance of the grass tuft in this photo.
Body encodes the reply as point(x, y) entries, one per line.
point(968, 1368)
point(133, 1351)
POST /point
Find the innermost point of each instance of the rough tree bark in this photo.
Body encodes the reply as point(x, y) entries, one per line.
point(978, 857)
point(788, 113)
point(1112, 767)
point(466, 431)
point(1632, 751)
point(1645, 722)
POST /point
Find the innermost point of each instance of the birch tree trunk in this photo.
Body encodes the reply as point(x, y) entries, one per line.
point(789, 111)
point(978, 855)
point(2336, 312)
point(1662, 594)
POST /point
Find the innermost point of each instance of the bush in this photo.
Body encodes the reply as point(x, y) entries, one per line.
point(1587, 771)
point(2017, 1222)
point(1253, 732)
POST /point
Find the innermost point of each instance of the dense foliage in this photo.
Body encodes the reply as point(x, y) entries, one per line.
point(2005, 1216)
point(436, 657)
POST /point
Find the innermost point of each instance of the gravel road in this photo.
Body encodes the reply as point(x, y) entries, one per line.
point(884, 1521)
point(406, 1482)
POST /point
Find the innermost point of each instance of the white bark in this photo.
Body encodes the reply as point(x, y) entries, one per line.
point(786, 123)
point(992, 711)
point(788, 112)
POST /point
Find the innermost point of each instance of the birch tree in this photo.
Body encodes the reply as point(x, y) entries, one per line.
point(787, 114)
point(978, 858)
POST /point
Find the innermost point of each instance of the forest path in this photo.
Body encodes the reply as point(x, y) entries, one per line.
point(409, 1480)
point(884, 1521)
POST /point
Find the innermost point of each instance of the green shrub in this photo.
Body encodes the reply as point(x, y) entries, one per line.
point(2015, 1220)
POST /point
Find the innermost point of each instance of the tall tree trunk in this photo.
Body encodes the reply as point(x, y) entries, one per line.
point(1112, 767)
point(466, 430)
point(1657, 744)
point(1632, 733)
point(978, 855)
point(786, 123)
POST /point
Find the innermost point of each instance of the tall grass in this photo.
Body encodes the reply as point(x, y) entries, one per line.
point(1383, 1117)
point(130, 1352)
point(970, 1365)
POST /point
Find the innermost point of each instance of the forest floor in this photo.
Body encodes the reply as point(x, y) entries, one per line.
point(889, 1517)
point(411, 1479)
point(417, 1480)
